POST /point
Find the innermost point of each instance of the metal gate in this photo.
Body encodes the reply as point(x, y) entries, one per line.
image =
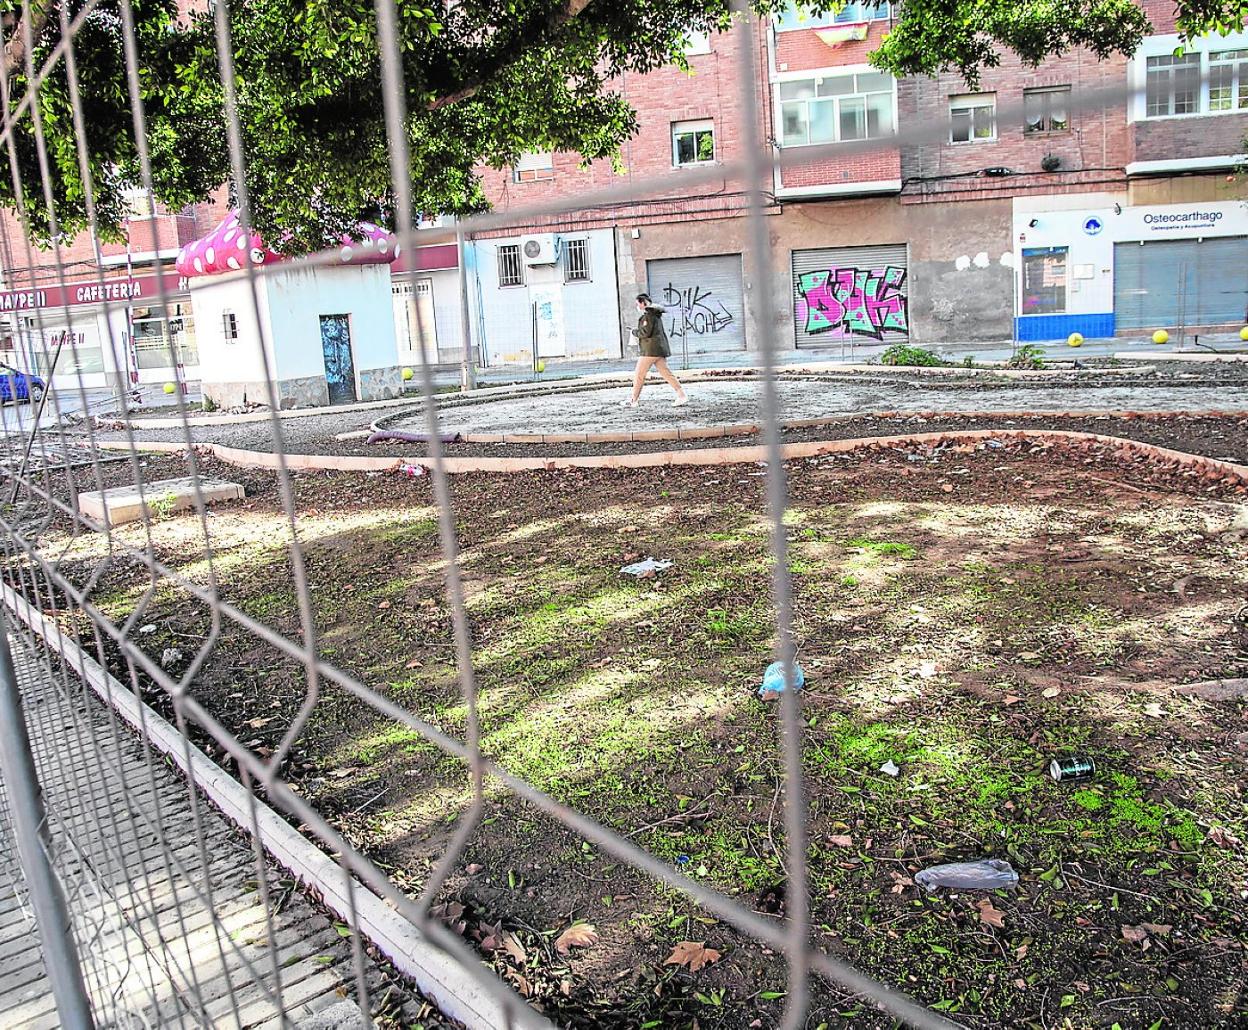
point(851, 295)
point(704, 299)
point(1181, 283)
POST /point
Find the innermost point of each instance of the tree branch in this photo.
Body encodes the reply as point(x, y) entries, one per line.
point(508, 55)
point(15, 46)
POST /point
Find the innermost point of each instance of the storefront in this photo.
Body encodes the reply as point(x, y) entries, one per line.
point(1124, 270)
point(94, 333)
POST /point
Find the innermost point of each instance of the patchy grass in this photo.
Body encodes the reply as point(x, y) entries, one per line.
point(967, 638)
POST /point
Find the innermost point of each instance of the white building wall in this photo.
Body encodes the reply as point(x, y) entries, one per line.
point(585, 315)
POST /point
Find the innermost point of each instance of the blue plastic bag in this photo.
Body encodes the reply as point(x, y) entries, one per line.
point(773, 680)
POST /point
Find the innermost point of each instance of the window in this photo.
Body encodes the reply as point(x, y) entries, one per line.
point(697, 43)
point(693, 143)
point(534, 167)
point(1046, 110)
point(1172, 85)
point(510, 270)
point(229, 326)
point(1044, 281)
point(852, 13)
point(576, 261)
point(1228, 80)
point(836, 108)
point(973, 118)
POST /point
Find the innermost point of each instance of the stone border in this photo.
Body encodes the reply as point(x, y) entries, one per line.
point(1213, 469)
point(440, 977)
point(753, 428)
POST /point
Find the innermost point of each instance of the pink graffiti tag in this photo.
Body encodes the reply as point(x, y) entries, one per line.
point(854, 300)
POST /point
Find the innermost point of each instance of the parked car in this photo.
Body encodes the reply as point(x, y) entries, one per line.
point(17, 385)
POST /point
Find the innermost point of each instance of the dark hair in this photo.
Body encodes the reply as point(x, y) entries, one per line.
point(643, 298)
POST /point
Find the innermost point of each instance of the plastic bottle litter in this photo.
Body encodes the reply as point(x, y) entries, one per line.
point(773, 680)
point(414, 471)
point(645, 569)
point(987, 874)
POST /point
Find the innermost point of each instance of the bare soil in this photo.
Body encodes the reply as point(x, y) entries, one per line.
point(966, 613)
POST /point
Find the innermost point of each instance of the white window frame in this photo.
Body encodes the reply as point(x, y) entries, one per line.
point(1236, 61)
point(971, 103)
point(1047, 92)
point(818, 76)
point(697, 43)
point(583, 245)
point(694, 127)
point(535, 163)
point(519, 264)
point(229, 326)
point(855, 12)
point(1204, 49)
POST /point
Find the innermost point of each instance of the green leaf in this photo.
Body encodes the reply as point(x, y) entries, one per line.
point(1067, 1001)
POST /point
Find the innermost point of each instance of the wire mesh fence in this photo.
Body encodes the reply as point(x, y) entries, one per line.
point(152, 912)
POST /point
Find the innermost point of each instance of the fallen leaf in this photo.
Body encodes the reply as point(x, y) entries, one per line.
point(384, 605)
point(473, 869)
point(927, 670)
point(1011, 699)
point(947, 488)
point(1052, 692)
point(1029, 656)
point(578, 935)
point(1222, 837)
point(693, 955)
point(1158, 929)
point(1154, 711)
point(1134, 934)
point(900, 881)
point(989, 915)
point(1021, 951)
point(841, 840)
point(511, 944)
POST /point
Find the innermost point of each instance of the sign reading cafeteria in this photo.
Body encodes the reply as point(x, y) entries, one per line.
point(92, 292)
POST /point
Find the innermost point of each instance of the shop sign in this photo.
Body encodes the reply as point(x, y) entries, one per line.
point(111, 291)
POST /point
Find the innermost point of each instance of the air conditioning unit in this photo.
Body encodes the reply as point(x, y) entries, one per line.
point(540, 250)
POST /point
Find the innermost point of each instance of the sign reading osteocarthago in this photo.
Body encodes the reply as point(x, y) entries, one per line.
point(102, 291)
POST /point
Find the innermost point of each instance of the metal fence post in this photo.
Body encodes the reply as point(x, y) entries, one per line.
point(30, 827)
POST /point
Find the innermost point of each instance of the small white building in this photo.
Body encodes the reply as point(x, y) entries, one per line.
point(553, 293)
point(323, 334)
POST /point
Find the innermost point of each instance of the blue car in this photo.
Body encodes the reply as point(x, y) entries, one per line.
point(17, 385)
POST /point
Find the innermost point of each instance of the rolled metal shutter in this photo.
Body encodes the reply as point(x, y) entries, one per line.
point(704, 299)
point(1181, 282)
point(851, 295)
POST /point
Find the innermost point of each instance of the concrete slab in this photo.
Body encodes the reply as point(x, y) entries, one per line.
point(125, 504)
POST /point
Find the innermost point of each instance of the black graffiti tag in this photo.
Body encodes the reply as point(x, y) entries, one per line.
point(695, 311)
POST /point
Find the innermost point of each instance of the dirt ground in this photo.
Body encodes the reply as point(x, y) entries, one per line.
point(966, 614)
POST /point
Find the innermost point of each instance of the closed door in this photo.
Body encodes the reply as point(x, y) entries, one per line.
point(414, 318)
point(1181, 283)
point(851, 295)
point(704, 301)
point(339, 366)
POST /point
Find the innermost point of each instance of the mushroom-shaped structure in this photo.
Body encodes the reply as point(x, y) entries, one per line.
point(227, 247)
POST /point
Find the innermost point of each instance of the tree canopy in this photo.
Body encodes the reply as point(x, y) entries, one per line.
point(486, 80)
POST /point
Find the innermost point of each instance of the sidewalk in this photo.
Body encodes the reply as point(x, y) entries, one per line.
point(164, 939)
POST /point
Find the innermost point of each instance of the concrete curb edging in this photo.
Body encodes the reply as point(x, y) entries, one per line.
point(437, 974)
point(1211, 467)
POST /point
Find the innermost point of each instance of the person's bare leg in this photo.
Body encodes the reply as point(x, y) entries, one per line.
point(639, 377)
point(670, 377)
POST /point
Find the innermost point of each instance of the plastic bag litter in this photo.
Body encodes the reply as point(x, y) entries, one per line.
point(773, 680)
point(987, 874)
point(646, 568)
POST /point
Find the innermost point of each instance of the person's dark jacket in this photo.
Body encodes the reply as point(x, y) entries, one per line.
point(651, 335)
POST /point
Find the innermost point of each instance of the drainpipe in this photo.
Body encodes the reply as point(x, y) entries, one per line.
point(469, 372)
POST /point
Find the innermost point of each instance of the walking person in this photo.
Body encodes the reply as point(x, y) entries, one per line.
point(652, 338)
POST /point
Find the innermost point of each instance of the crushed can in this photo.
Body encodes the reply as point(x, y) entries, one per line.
point(1073, 767)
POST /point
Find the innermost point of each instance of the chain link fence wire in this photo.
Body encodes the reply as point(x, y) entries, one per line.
point(145, 918)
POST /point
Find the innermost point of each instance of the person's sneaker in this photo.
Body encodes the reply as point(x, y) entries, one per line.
point(681, 401)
